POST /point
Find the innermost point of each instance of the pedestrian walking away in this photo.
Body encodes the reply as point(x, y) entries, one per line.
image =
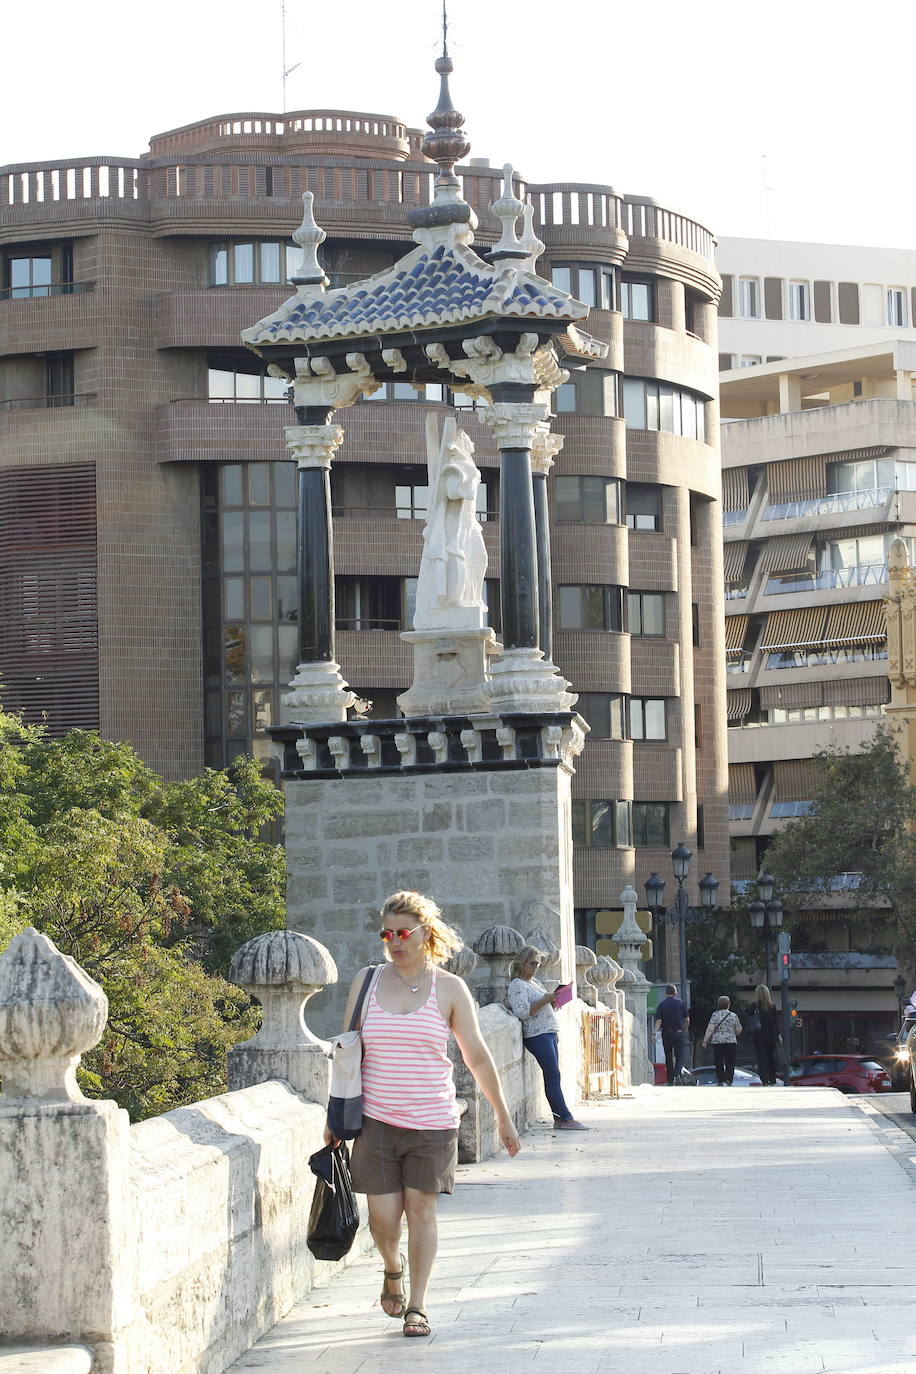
point(407, 1150)
point(723, 1031)
point(530, 1001)
point(764, 1024)
point(673, 1020)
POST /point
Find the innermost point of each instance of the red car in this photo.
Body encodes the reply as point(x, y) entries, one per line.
point(850, 1073)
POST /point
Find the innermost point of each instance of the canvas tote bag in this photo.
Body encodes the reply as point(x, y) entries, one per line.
point(345, 1096)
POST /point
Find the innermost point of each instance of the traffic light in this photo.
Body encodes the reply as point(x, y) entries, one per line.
point(784, 949)
point(793, 1012)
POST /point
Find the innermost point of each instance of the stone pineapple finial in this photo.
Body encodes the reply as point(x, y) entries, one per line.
point(282, 969)
point(462, 962)
point(498, 945)
point(51, 1013)
point(586, 959)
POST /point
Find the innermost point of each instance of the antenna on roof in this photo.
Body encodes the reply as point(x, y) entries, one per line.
point(287, 70)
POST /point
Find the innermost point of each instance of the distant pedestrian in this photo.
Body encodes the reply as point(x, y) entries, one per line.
point(673, 1020)
point(766, 1035)
point(723, 1031)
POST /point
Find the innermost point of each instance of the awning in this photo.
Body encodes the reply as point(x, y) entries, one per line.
point(856, 622)
point(854, 455)
point(735, 555)
point(735, 631)
point(795, 629)
point(796, 479)
point(738, 703)
point(793, 780)
point(792, 695)
point(735, 491)
point(857, 691)
point(742, 783)
point(787, 554)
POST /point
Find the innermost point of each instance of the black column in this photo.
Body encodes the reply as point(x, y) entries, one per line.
point(315, 553)
point(518, 568)
point(545, 586)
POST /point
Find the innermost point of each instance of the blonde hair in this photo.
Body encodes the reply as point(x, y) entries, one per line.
point(525, 953)
point(441, 939)
point(723, 1003)
point(763, 998)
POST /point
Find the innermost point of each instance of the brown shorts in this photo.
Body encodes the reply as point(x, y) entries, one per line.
point(386, 1159)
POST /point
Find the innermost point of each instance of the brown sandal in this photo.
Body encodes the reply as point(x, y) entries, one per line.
point(416, 1322)
point(387, 1295)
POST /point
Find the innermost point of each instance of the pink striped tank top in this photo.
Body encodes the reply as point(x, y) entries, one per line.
point(407, 1074)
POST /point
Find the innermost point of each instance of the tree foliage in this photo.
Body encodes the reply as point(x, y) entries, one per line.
point(150, 886)
point(713, 966)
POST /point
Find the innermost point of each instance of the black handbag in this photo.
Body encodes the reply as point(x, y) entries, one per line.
point(334, 1218)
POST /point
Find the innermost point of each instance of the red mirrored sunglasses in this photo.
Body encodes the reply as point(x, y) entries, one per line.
point(403, 933)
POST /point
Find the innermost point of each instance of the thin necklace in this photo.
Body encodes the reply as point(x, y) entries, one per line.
point(408, 984)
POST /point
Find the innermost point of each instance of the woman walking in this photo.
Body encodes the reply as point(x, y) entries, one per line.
point(766, 1036)
point(534, 1006)
point(723, 1031)
point(408, 1148)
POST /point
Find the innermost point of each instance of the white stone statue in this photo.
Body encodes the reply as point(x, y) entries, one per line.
point(454, 561)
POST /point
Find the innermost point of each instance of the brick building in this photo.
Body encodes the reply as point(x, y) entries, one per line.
point(148, 515)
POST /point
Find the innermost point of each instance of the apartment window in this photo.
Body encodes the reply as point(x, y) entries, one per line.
point(658, 406)
point(588, 500)
point(589, 283)
point(637, 298)
point(749, 360)
point(605, 713)
point(896, 307)
point(749, 297)
point(648, 718)
point(644, 506)
point(412, 502)
point(242, 381)
point(701, 827)
point(27, 276)
point(370, 603)
point(242, 264)
point(597, 607)
point(866, 475)
point(799, 300)
point(592, 392)
point(695, 621)
point(433, 393)
point(646, 613)
point(59, 383)
point(651, 829)
point(601, 824)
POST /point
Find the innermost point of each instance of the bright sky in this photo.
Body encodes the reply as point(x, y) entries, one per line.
point(787, 120)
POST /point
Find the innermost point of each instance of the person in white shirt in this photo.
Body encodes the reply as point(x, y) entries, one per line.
point(530, 1001)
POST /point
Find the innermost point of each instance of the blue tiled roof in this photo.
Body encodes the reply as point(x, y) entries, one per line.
point(429, 287)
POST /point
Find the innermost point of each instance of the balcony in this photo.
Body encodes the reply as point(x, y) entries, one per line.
point(828, 579)
point(63, 317)
point(838, 503)
point(15, 403)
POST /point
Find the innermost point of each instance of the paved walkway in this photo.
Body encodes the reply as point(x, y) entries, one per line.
point(692, 1231)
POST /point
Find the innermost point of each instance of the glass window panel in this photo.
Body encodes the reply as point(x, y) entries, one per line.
point(561, 278)
point(237, 714)
point(41, 276)
point(287, 599)
point(564, 398)
point(214, 713)
point(665, 410)
point(594, 500)
point(220, 384)
point(482, 503)
point(569, 607)
point(403, 391)
point(20, 274)
point(408, 601)
point(247, 386)
point(634, 402)
point(568, 503)
point(622, 817)
point(259, 556)
point(607, 290)
point(243, 262)
point(435, 391)
point(261, 599)
point(637, 727)
point(688, 417)
point(634, 613)
point(219, 265)
point(420, 502)
point(284, 484)
point(263, 704)
point(593, 608)
point(618, 716)
point(287, 651)
point(270, 262)
point(586, 289)
point(403, 502)
point(258, 484)
point(234, 653)
point(870, 549)
point(602, 825)
point(654, 716)
point(275, 388)
point(233, 541)
point(652, 412)
point(286, 540)
point(594, 708)
point(261, 653)
point(579, 831)
point(234, 595)
point(653, 613)
point(231, 476)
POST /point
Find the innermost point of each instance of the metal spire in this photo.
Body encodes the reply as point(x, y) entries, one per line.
point(445, 145)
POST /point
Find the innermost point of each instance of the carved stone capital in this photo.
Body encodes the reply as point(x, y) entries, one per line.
point(313, 446)
point(544, 449)
point(317, 695)
point(522, 680)
point(317, 384)
point(516, 424)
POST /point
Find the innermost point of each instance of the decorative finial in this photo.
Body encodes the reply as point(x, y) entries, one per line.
point(530, 242)
point(507, 209)
point(309, 236)
point(446, 145)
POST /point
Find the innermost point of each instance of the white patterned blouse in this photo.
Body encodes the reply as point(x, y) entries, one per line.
point(522, 992)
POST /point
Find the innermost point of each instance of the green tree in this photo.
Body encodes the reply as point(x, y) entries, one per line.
point(150, 886)
point(713, 966)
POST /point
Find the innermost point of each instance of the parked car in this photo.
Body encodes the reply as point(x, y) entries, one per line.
point(705, 1076)
point(850, 1073)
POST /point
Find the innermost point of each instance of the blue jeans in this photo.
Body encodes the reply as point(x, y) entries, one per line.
point(544, 1049)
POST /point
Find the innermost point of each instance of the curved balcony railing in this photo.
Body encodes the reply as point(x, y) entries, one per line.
point(83, 398)
point(62, 288)
point(837, 503)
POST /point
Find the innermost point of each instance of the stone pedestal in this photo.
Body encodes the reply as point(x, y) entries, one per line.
point(635, 986)
point(451, 668)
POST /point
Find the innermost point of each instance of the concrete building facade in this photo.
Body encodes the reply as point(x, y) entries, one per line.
point(149, 513)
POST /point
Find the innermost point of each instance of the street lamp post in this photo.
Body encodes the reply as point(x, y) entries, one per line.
point(681, 911)
point(900, 990)
point(766, 914)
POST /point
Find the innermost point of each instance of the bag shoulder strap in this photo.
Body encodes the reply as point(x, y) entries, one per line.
point(356, 1019)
